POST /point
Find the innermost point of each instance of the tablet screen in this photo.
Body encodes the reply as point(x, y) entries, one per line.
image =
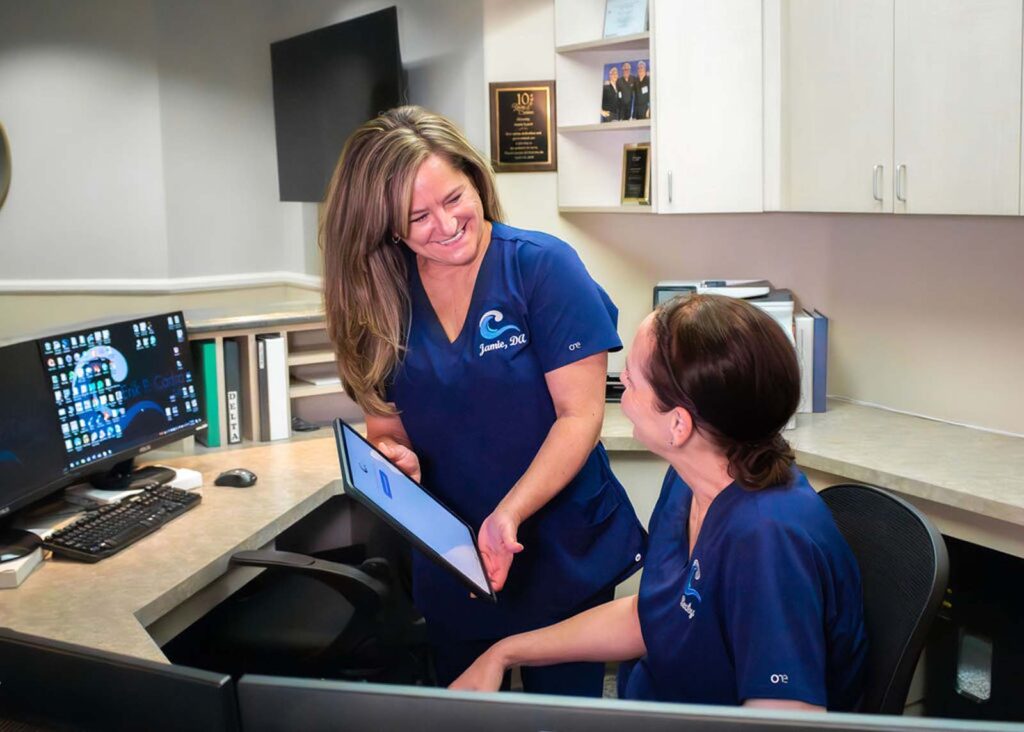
point(397, 496)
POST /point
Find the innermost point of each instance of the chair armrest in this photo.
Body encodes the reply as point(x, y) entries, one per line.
point(365, 592)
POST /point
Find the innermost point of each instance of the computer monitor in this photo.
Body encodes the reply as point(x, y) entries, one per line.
point(326, 83)
point(80, 405)
point(278, 704)
point(62, 686)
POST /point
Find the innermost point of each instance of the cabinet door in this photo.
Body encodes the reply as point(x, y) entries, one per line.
point(707, 101)
point(958, 106)
point(836, 131)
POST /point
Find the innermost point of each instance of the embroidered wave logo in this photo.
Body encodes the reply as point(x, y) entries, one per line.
point(488, 331)
point(690, 595)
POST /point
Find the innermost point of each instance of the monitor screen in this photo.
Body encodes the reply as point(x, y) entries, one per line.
point(326, 83)
point(32, 455)
point(405, 505)
point(120, 387)
point(277, 704)
point(75, 404)
point(48, 684)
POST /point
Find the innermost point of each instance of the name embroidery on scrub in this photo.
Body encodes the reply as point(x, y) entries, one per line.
point(690, 595)
point(489, 333)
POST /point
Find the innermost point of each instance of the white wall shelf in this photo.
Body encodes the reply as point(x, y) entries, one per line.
point(634, 42)
point(606, 209)
point(607, 126)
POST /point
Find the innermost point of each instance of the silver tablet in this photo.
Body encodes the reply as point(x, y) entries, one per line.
point(406, 506)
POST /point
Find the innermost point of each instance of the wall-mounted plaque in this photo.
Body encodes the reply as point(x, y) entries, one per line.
point(523, 126)
point(636, 173)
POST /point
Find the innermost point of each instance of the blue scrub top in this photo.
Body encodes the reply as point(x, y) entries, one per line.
point(477, 411)
point(768, 607)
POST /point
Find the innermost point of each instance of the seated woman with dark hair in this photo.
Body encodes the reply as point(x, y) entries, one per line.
point(750, 594)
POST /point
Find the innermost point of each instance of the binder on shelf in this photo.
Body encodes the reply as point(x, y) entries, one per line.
point(205, 355)
point(818, 399)
point(803, 330)
point(233, 390)
point(272, 365)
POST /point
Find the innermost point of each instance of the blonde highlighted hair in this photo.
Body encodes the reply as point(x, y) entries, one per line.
point(366, 292)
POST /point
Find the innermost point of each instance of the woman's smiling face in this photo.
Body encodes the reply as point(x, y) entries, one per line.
point(446, 217)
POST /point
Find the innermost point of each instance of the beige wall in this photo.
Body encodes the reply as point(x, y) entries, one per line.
point(927, 313)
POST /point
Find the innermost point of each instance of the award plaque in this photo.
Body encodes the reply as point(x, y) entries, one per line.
point(636, 174)
point(523, 126)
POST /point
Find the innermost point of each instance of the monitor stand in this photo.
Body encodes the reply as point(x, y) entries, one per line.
point(125, 476)
point(15, 543)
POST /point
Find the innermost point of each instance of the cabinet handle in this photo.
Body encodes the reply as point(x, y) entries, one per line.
point(876, 182)
point(670, 186)
point(901, 193)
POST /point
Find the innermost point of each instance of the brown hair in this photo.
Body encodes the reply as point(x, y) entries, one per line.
point(366, 294)
point(732, 368)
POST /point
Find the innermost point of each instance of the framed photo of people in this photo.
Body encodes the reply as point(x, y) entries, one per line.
point(626, 90)
point(523, 126)
point(636, 174)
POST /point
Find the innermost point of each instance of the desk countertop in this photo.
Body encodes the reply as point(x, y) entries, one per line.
point(109, 605)
point(968, 469)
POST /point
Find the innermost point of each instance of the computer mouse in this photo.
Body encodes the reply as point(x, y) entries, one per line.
point(236, 477)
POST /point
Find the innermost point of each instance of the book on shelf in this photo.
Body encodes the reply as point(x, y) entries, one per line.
point(233, 390)
point(205, 355)
point(272, 367)
point(820, 389)
point(803, 331)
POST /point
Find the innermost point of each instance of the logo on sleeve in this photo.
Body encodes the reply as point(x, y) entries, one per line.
point(495, 335)
point(690, 595)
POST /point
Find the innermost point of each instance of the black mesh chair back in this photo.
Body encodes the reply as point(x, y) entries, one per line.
point(904, 568)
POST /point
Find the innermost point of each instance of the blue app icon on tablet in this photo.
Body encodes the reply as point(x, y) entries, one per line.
point(385, 484)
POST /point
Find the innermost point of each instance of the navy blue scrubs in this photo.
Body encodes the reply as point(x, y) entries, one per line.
point(768, 607)
point(477, 411)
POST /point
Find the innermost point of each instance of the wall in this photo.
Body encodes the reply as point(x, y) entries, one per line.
point(79, 97)
point(925, 310)
point(143, 131)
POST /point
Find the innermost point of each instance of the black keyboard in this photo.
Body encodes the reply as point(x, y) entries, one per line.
point(110, 529)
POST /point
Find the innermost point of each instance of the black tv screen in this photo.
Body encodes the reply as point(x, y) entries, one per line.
point(326, 83)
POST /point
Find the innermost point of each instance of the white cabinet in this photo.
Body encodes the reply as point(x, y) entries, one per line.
point(837, 116)
point(707, 105)
point(705, 128)
point(958, 106)
point(905, 106)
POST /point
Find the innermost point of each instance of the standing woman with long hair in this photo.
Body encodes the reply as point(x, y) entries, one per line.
point(478, 353)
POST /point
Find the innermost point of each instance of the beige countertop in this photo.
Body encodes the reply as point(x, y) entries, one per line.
point(110, 604)
point(968, 469)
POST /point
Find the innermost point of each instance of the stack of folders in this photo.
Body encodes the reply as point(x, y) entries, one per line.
point(812, 351)
point(272, 366)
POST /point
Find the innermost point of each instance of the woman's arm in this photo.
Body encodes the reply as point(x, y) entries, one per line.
point(609, 632)
point(388, 435)
point(577, 390)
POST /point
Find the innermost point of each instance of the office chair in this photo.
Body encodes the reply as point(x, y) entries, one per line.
point(320, 612)
point(904, 568)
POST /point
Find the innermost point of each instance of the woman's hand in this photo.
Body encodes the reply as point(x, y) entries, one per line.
point(497, 542)
point(485, 674)
point(405, 459)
